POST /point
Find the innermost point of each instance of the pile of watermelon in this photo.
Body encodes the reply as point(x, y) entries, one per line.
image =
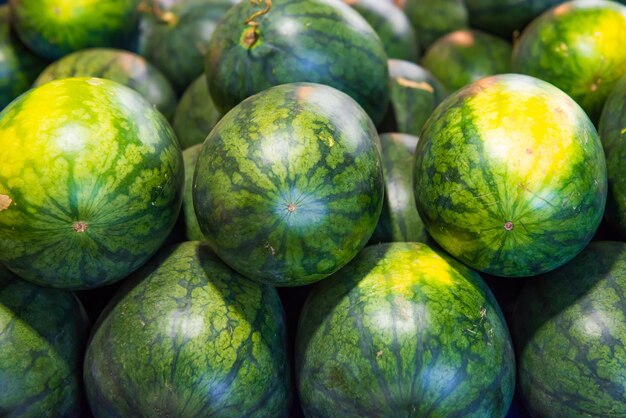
point(318, 208)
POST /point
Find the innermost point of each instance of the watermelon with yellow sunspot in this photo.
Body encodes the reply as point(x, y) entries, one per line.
point(510, 176)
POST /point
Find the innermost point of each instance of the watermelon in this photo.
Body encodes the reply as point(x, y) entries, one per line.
point(392, 26)
point(195, 114)
point(124, 67)
point(319, 41)
point(612, 130)
point(467, 55)
point(433, 19)
point(192, 229)
point(570, 334)
point(288, 186)
point(53, 28)
point(187, 336)
point(18, 66)
point(403, 331)
point(399, 220)
point(415, 93)
point(43, 338)
point(579, 47)
point(505, 17)
point(174, 35)
point(510, 176)
point(90, 182)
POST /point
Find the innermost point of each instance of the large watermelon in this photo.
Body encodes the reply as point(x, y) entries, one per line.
point(570, 336)
point(174, 35)
point(124, 67)
point(189, 337)
point(43, 333)
point(612, 130)
point(18, 66)
point(463, 56)
point(288, 186)
point(579, 47)
point(510, 176)
point(90, 182)
point(53, 28)
point(403, 331)
point(320, 41)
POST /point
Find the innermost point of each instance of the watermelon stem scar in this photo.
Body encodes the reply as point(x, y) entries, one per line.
point(80, 226)
point(5, 202)
point(509, 226)
point(251, 34)
point(291, 207)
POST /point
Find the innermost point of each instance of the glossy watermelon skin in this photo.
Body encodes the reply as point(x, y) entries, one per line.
point(399, 220)
point(195, 114)
point(467, 55)
point(123, 67)
point(510, 177)
point(288, 186)
point(192, 229)
point(403, 331)
point(174, 35)
point(87, 193)
point(570, 334)
point(612, 130)
point(433, 19)
point(53, 28)
point(415, 93)
point(392, 26)
point(44, 334)
point(190, 337)
point(319, 41)
point(578, 47)
point(18, 66)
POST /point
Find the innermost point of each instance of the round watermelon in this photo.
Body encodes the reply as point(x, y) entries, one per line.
point(403, 331)
point(510, 176)
point(463, 56)
point(53, 28)
point(117, 65)
point(187, 337)
point(570, 334)
point(285, 41)
point(195, 114)
point(579, 47)
point(18, 66)
point(90, 182)
point(288, 186)
point(42, 341)
point(433, 19)
point(174, 35)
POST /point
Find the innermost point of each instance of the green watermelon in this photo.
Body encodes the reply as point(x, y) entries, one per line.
point(42, 341)
point(124, 67)
point(467, 55)
point(434, 18)
point(195, 114)
point(53, 28)
point(174, 35)
point(189, 337)
point(579, 47)
point(403, 331)
point(510, 177)
point(570, 334)
point(392, 26)
point(90, 182)
point(319, 41)
point(612, 130)
point(18, 66)
point(505, 17)
point(415, 93)
point(399, 220)
point(289, 185)
point(192, 229)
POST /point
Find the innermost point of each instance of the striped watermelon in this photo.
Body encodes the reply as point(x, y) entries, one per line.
point(510, 176)
point(319, 41)
point(288, 186)
point(90, 182)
